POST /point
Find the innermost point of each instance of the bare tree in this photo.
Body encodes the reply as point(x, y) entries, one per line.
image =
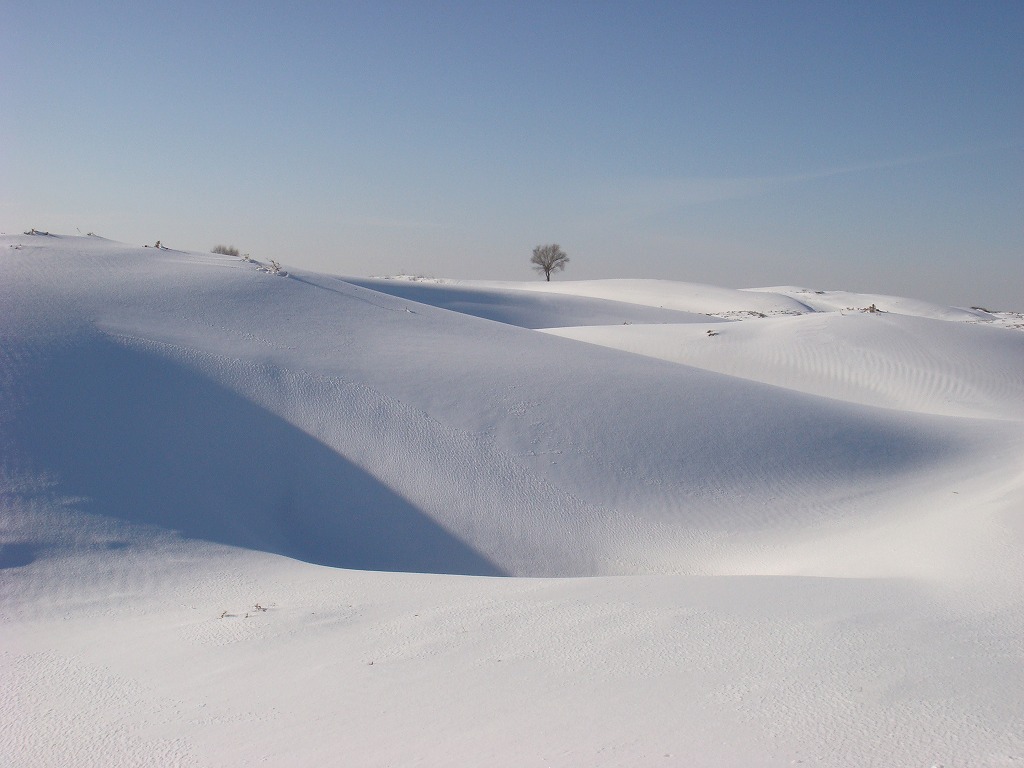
point(548, 259)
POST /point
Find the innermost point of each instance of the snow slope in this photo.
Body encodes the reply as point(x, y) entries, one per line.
point(255, 518)
point(902, 362)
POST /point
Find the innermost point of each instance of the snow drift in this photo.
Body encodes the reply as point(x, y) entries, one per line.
point(166, 417)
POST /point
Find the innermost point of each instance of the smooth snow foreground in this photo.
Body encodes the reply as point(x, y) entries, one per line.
point(260, 519)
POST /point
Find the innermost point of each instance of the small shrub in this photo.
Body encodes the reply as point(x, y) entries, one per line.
point(273, 268)
point(227, 250)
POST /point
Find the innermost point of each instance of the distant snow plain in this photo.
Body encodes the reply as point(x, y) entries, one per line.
point(294, 519)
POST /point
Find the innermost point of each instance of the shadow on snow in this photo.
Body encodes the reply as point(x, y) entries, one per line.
point(148, 441)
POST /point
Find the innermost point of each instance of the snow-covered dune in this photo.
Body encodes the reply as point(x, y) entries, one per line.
point(838, 301)
point(663, 294)
point(527, 309)
point(907, 363)
point(306, 416)
point(281, 482)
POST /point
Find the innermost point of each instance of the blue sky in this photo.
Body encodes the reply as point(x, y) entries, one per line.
point(856, 146)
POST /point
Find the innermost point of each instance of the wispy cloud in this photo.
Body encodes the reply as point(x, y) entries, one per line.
point(898, 162)
point(636, 199)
